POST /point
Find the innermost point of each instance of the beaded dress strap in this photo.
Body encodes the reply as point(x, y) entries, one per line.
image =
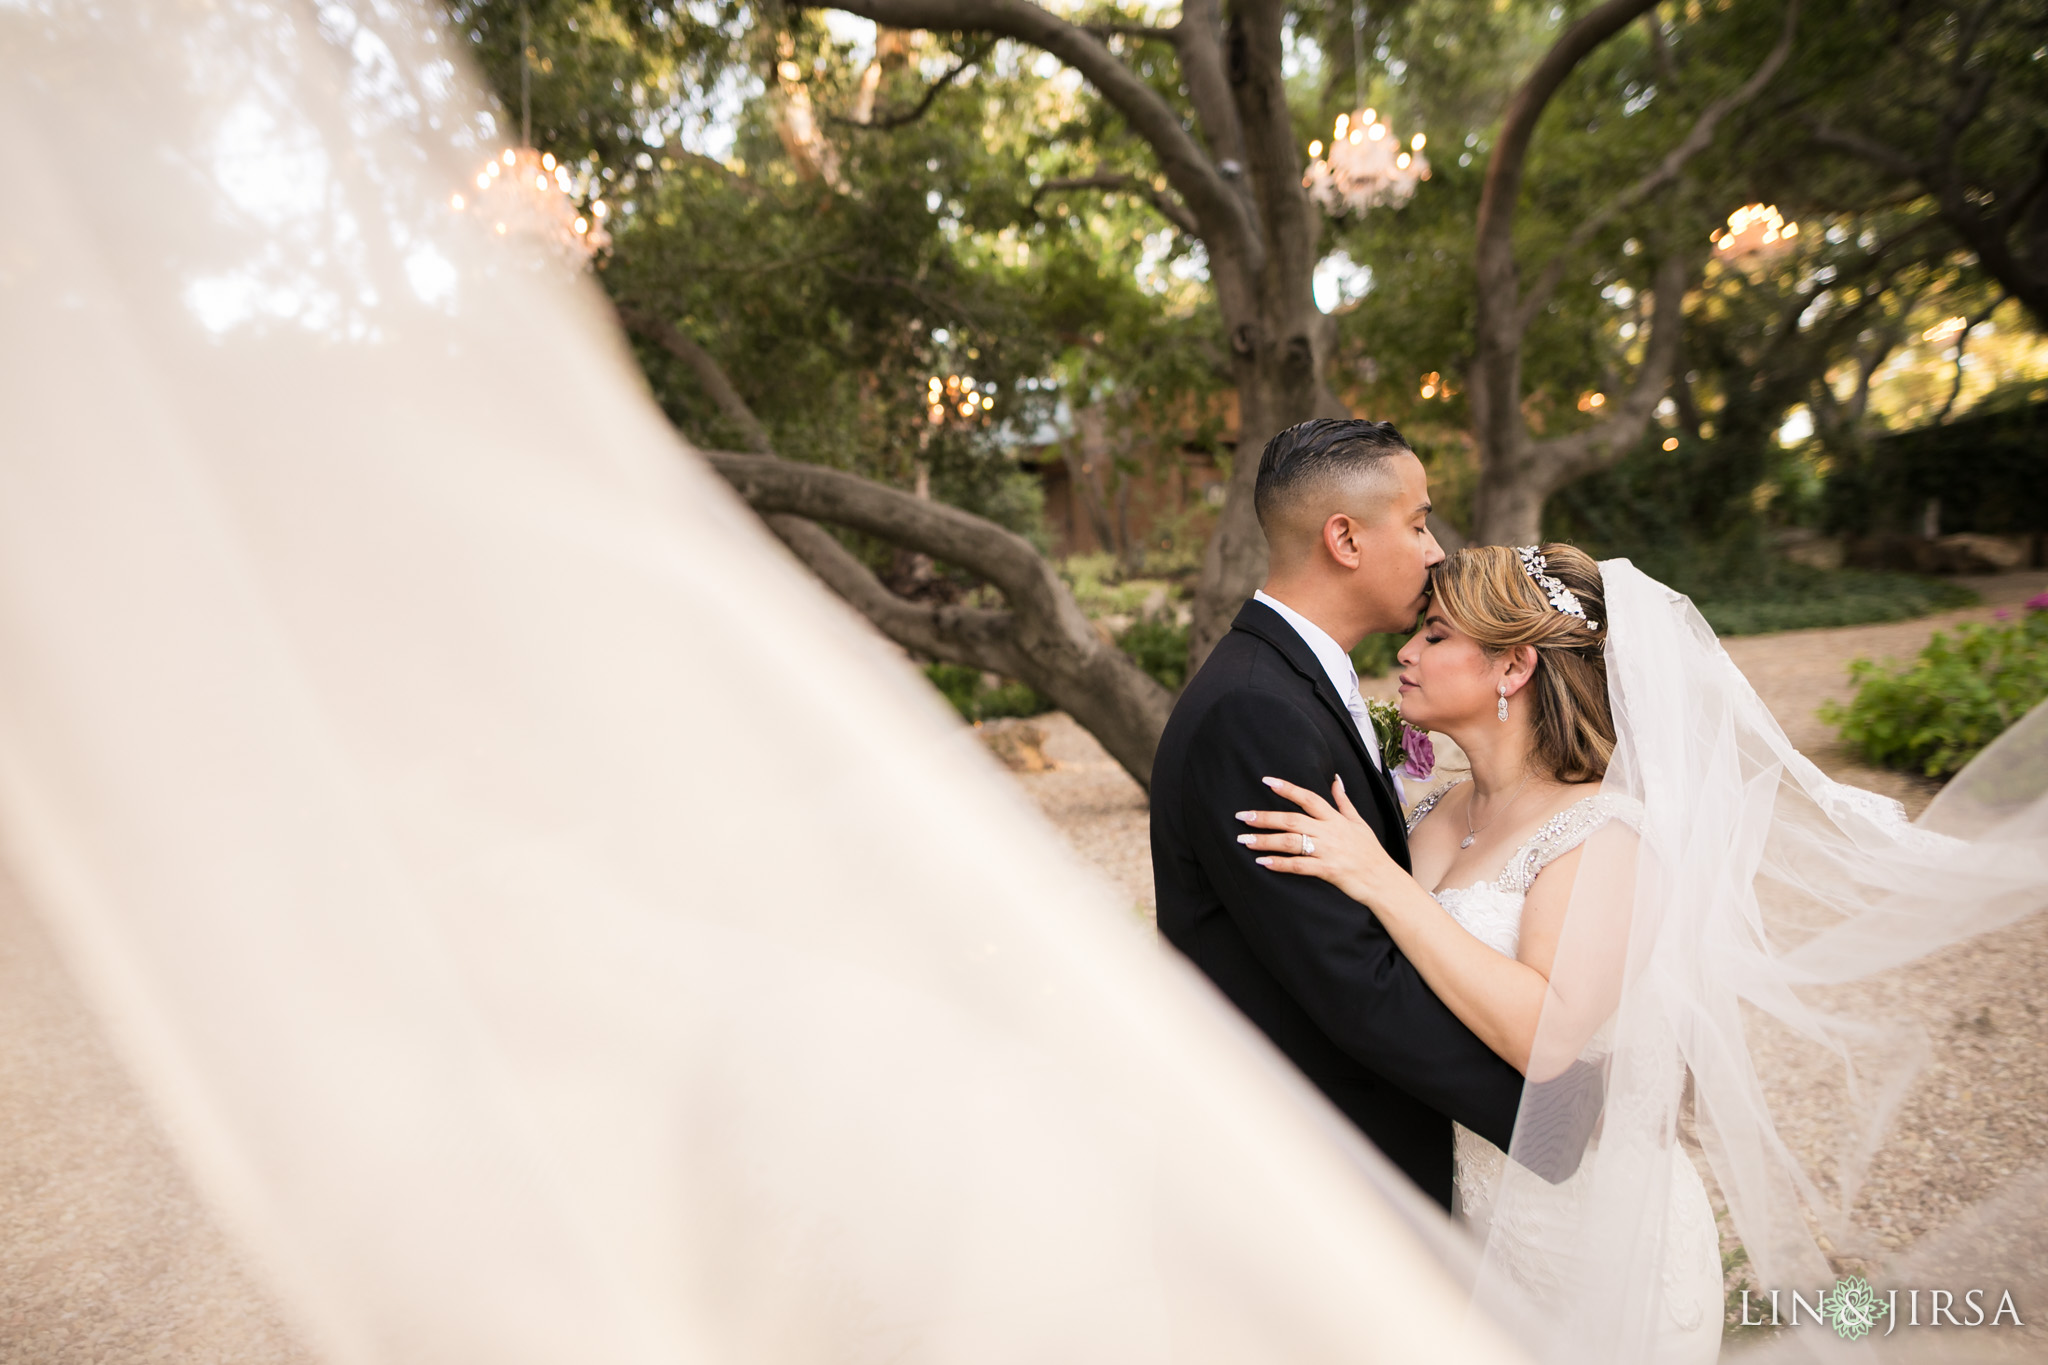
point(1562, 833)
point(1428, 803)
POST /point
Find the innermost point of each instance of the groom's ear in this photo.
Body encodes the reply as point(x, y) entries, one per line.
point(1341, 535)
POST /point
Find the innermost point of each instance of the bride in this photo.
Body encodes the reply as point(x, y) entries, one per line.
point(1510, 663)
point(1644, 875)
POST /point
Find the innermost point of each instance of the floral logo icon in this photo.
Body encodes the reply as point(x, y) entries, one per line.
point(1852, 1308)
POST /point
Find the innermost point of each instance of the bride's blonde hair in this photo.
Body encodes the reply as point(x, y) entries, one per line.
point(1487, 594)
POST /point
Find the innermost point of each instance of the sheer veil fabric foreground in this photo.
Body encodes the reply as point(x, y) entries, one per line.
point(549, 926)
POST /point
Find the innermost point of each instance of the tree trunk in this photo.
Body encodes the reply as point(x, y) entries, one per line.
point(1278, 337)
point(1087, 452)
point(1516, 473)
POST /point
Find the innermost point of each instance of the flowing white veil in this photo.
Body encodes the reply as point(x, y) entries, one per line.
point(548, 925)
point(1731, 966)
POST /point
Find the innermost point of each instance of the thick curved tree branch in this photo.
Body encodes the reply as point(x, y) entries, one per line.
point(932, 92)
point(1199, 40)
point(960, 635)
point(1503, 186)
point(1861, 145)
point(1595, 447)
point(1169, 208)
point(704, 367)
point(1043, 639)
point(944, 532)
point(1144, 33)
point(1666, 171)
point(1224, 218)
point(1987, 233)
point(1970, 324)
point(1660, 47)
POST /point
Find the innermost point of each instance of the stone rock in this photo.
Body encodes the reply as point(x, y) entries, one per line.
point(1018, 743)
point(1891, 550)
point(1968, 552)
point(1811, 548)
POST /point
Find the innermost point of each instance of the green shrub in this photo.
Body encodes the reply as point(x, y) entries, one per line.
point(1013, 699)
point(1800, 598)
point(1936, 715)
point(1160, 648)
point(1374, 657)
point(1100, 589)
point(1671, 514)
point(969, 691)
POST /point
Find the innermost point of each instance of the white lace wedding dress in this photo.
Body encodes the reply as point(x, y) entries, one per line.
point(1538, 1251)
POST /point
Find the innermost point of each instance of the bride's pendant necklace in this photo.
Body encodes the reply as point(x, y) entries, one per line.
point(1471, 833)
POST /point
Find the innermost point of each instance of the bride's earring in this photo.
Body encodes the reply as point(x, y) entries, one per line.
point(1502, 709)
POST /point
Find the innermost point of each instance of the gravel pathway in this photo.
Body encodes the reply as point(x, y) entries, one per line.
point(106, 1253)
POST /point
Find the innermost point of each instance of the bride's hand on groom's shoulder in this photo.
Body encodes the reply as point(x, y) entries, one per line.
point(1321, 840)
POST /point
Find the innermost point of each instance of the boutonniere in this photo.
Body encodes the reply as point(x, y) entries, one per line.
point(1403, 748)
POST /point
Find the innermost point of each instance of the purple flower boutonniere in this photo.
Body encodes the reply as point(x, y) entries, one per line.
point(1403, 748)
point(1420, 752)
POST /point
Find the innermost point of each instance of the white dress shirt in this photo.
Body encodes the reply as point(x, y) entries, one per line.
point(1337, 664)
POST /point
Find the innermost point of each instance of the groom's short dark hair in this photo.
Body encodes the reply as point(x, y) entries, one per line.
point(1314, 455)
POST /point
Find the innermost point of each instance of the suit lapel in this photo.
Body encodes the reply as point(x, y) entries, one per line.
point(1256, 618)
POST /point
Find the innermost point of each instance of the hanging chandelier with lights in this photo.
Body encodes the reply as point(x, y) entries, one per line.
point(525, 192)
point(1365, 166)
point(1755, 230)
point(961, 394)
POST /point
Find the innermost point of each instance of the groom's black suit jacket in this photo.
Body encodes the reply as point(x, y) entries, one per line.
point(1309, 965)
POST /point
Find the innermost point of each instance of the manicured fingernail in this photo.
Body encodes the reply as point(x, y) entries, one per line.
point(1263, 862)
point(1244, 815)
point(1246, 838)
point(1340, 780)
point(1273, 782)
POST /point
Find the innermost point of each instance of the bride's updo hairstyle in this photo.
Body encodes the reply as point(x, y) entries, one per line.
point(1487, 594)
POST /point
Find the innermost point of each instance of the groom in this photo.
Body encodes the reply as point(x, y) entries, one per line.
point(1344, 505)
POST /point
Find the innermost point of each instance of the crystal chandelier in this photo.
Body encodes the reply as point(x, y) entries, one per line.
point(957, 393)
point(1755, 230)
point(1366, 166)
point(525, 192)
point(522, 192)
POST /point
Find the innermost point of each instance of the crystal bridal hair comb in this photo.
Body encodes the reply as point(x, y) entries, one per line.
point(1560, 596)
